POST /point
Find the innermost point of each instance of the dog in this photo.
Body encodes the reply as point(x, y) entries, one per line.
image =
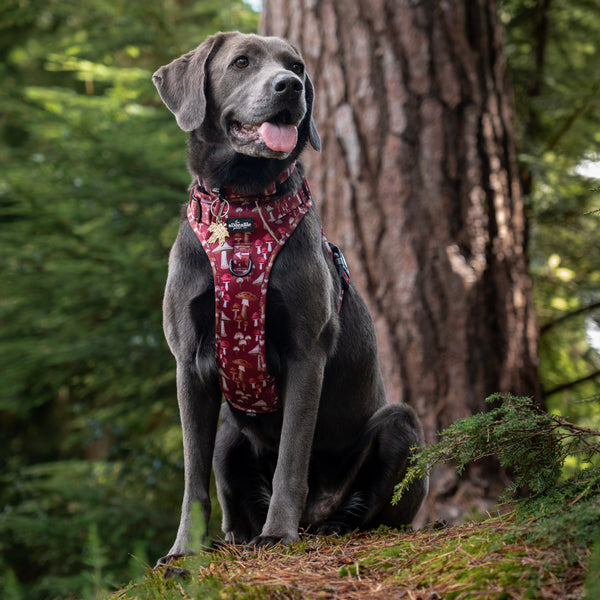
point(319, 449)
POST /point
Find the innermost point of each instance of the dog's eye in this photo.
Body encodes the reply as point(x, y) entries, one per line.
point(241, 62)
point(297, 68)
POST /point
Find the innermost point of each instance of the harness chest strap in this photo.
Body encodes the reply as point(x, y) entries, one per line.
point(241, 261)
point(241, 265)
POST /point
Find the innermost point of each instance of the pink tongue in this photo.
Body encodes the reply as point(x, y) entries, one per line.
point(281, 138)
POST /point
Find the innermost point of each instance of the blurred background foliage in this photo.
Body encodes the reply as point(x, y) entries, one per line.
point(553, 51)
point(92, 172)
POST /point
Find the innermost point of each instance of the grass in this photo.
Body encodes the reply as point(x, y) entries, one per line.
point(539, 548)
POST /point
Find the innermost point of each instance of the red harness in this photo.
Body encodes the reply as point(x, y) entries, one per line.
point(242, 236)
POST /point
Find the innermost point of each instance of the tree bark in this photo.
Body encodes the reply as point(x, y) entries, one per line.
point(418, 184)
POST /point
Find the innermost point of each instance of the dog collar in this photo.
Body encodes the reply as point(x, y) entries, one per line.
point(242, 236)
point(232, 195)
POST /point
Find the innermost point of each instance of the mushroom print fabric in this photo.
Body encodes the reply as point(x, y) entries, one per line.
point(241, 260)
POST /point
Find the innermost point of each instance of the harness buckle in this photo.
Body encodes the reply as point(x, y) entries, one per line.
point(341, 265)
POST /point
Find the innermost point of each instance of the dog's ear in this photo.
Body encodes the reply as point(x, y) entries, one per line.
point(313, 134)
point(182, 84)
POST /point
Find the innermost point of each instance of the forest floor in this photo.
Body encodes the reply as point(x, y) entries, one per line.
point(538, 549)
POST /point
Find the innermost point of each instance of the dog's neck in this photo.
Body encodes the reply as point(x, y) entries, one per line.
point(217, 165)
point(232, 194)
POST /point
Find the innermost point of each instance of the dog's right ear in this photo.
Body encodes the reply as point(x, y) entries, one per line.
point(313, 134)
point(182, 84)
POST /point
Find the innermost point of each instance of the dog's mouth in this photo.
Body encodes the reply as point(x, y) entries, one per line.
point(278, 133)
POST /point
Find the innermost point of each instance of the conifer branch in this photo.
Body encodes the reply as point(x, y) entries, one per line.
point(525, 438)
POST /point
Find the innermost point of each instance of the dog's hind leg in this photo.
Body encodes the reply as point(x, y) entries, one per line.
point(390, 434)
point(243, 481)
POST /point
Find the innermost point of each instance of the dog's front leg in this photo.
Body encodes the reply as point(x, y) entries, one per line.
point(290, 481)
point(199, 404)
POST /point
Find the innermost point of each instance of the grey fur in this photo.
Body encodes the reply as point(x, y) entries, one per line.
point(328, 461)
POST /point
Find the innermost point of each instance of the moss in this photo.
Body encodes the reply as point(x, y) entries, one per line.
point(567, 518)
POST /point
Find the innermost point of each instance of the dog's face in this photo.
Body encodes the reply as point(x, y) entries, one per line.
point(247, 92)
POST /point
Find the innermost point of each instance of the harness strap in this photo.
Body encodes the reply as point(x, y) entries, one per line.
point(241, 262)
point(242, 237)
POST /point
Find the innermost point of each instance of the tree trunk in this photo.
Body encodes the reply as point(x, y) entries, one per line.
point(418, 184)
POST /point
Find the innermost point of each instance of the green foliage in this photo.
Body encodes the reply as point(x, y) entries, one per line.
point(565, 517)
point(561, 513)
point(95, 560)
point(592, 581)
point(11, 590)
point(64, 522)
point(531, 442)
point(553, 56)
point(93, 174)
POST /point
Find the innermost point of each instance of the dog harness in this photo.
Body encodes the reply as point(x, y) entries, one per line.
point(242, 236)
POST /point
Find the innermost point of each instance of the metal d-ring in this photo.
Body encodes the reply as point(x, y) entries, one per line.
point(233, 271)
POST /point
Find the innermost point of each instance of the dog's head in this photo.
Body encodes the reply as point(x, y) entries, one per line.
point(245, 92)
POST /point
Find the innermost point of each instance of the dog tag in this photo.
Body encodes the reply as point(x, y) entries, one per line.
point(219, 232)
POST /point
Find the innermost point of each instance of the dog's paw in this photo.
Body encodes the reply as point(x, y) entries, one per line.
point(165, 561)
point(269, 541)
point(171, 572)
point(329, 528)
point(265, 541)
point(237, 538)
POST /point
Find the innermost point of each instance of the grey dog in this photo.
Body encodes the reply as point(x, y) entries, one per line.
point(327, 461)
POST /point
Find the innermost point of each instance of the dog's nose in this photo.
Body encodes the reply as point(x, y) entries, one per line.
point(286, 84)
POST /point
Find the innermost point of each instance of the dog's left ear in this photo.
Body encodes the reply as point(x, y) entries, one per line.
point(313, 134)
point(181, 84)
